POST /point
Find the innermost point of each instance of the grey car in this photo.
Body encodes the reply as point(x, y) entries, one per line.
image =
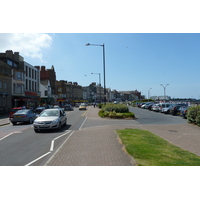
point(50, 119)
point(25, 115)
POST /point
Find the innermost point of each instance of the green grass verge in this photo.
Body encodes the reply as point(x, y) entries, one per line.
point(149, 149)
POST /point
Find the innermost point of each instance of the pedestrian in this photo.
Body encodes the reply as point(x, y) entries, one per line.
point(94, 104)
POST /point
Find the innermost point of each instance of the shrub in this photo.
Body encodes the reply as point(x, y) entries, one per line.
point(193, 115)
point(118, 108)
point(100, 105)
point(115, 115)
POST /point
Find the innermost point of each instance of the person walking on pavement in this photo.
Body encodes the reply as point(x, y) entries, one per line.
point(94, 104)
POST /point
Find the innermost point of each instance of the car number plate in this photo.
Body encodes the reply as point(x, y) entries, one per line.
point(43, 126)
point(17, 116)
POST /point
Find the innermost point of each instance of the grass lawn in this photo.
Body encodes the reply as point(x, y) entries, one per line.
point(149, 149)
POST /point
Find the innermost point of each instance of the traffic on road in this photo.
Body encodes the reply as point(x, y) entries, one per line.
point(26, 144)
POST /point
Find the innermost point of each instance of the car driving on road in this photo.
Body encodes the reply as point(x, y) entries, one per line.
point(50, 119)
point(25, 115)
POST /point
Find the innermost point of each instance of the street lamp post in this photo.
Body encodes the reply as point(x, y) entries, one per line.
point(164, 90)
point(99, 83)
point(104, 73)
point(148, 92)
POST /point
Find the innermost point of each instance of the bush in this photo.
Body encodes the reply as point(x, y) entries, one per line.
point(193, 115)
point(118, 108)
point(115, 115)
point(100, 105)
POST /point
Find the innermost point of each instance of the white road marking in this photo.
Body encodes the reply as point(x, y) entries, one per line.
point(52, 142)
point(58, 149)
point(51, 148)
point(37, 159)
point(6, 136)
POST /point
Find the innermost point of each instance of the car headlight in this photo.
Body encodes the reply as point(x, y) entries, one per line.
point(55, 121)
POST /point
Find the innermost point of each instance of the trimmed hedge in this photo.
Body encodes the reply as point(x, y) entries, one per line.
point(118, 108)
point(116, 111)
point(115, 115)
point(193, 115)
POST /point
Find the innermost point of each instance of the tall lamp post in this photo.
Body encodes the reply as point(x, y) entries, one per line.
point(104, 73)
point(148, 92)
point(164, 90)
point(99, 83)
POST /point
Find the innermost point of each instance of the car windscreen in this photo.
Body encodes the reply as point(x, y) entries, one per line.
point(22, 112)
point(49, 113)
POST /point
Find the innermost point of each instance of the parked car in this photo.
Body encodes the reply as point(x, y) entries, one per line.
point(155, 107)
point(14, 110)
point(56, 106)
point(82, 106)
point(180, 110)
point(140, 104)
point(184, 112)
point(145, 106)
point(68, 108)
point(163, 105)
point(38, 110)
point(174, 109)
point(50, 119)
point(167, 109)
point(24, 115)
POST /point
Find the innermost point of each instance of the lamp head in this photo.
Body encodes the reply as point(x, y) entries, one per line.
point(88, 44)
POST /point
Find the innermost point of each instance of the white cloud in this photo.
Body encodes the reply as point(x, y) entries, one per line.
point(28, 44)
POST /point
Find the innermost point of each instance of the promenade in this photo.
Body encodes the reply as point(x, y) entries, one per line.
point(100, 145)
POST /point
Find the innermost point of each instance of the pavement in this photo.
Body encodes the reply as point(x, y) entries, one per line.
point(99, 145)
point(4, 120)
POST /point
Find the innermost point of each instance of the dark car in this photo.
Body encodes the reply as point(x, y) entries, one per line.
point(25, 115)
point(14, 110)
point(38, 110)
point(184, 112)
point(175, 109)
point(68, 108)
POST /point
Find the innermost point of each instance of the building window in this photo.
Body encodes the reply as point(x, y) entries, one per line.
point(9, 62)
point(29, 72)
point(5, 85)
point(1, 84)
point(29, 84)
point(32, 85)
point(26, 71)
point(26, 84)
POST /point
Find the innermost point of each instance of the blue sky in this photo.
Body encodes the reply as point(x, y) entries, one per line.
point(133, 60)
point(145, 46)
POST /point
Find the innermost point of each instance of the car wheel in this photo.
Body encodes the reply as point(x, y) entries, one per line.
point(36, 130)
point(59, 127)
point(14, 123)
point(65, 124)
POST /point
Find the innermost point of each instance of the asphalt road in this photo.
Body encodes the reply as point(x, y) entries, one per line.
point(145, 116)
point(20, 145)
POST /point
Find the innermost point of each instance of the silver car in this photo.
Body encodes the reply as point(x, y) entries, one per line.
point(25, 115)
point(50, 119)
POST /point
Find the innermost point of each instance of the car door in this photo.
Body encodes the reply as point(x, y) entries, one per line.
point(62, 117)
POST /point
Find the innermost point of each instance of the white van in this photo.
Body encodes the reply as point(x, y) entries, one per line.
point(163, 106)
